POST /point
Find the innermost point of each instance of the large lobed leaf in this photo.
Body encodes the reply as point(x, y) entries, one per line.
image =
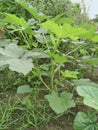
point(84, 82)
point(13, 19)
point(12, 55)
point(63, 31)
point(90, 95)
point(61, 103)
point(85, 121)
point(18, 59)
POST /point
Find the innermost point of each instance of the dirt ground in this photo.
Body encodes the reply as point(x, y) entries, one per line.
point(63, 123)
point(57, 126)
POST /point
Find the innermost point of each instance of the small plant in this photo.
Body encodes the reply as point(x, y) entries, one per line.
point(89, 91)
point(86, 121)
point(60, 103)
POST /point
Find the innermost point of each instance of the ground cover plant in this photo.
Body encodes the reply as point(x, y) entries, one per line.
point(46, 66)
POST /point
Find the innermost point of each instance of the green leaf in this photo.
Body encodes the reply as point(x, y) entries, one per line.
point(90, 95)
point(20, 65)
point(45, 67)
point(63, 31)
point(35, 54)
point(83, 51)
point(12, 55)
point(65, 20)
point(24, 89)
point(2, 24)
point(13, 19)
point(61, 103)
point(7, 41)
point(95, 38)
point(70, 74)
point(41, 39)
point(84, 82)
point(11, 50)
point(57, 17)
point(53, 27)
point(59, 59)
point(18, 24)
point(18, 59)
point(54, 40)
point(90, 30)
point(85, 121)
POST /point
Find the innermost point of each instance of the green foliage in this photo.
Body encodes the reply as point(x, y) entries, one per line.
point(16, 59)
point(22, 112)
point(86, 121)
point(91, 30)
point(60, 19)
point(9, 6)
point(95, 38)
point(14, 20)
point(85, 82)
point(49, 53)
point(60, 103)
point(90, 94)
point(63, 31)
point(70, 74)
point(59, 59)
point(53, 7)
point(31, 10)
point(20, 25)
point(24, 89)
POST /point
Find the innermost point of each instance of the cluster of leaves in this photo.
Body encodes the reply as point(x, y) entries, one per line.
point(89, 91)
point(50, 8)
point(11, 7)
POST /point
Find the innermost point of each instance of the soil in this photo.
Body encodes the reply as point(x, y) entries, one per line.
point(63, 123)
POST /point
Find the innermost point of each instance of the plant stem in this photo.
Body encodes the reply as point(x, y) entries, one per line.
point(26, 41)
point(41, 79)
point(73, 50)
point(52, 74)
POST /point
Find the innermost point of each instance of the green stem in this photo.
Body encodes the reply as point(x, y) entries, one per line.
point(73, 50)
point(46, 41)
point(52, 74)
point(44, 83)
point(25, 39)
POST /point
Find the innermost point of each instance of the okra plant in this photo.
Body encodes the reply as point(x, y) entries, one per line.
point(43, 37)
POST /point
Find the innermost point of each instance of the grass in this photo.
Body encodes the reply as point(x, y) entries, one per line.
point(22, 111)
